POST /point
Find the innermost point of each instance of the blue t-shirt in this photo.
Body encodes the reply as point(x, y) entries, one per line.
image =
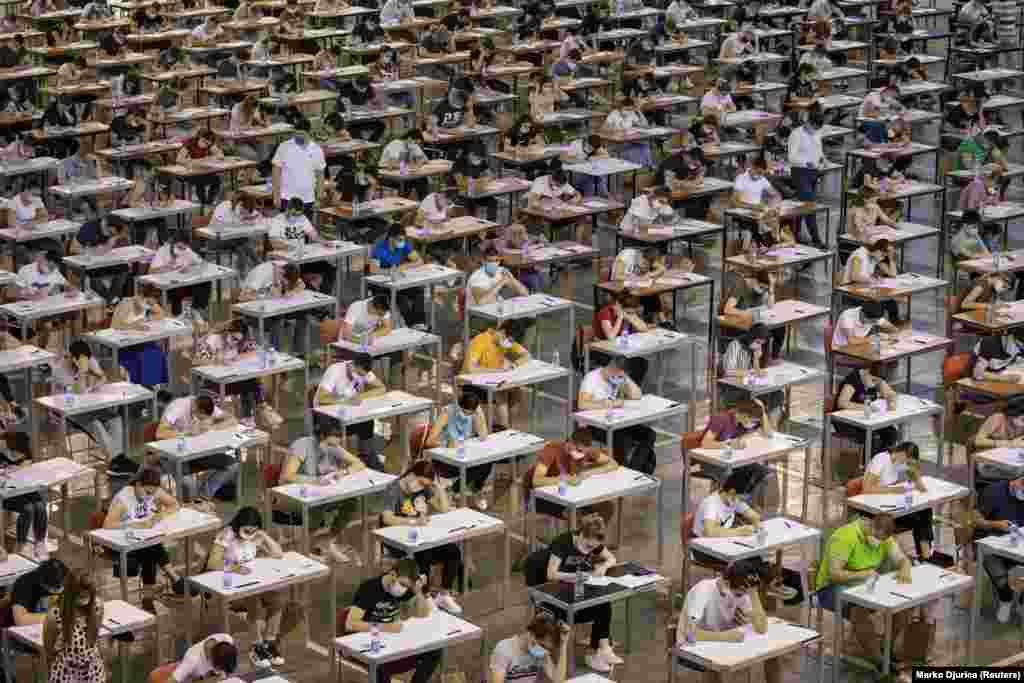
point(389, 257)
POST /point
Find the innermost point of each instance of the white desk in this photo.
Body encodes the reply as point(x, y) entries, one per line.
point(58, 229)
point(422, 276)
point(248, 367)
point(262, 309)
point(228, 232)
point(507, 445)
point(938, 493)
point(156, 330)
point(25, 312)
point(457, 526)
point(208, 443)
point(437, 631)
point(114, 395)
point(772, 378)
point(391, 404)
point(178, 208)
point(174, 279)
point(647, 409)
point(335, 250)
point(13, 567)
point(118, 618)
point(1011, 459)
point(530, 374)
point(396, 341)
point(907, 408)
point(1002, 546)
point(39, 477)
point(728, 659)
point(306, 497)
point(614, 485)
point(656, 342)
point(889, 597)
point(121, 256)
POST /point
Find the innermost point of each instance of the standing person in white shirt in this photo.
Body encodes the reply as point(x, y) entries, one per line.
point(213, 657)
point(299, 166)
point(751, 188)
point(806, 157)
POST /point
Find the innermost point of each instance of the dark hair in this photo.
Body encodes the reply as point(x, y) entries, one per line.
point(51, 572)
point(758, 331)
point(591, 526)
point(204, 404)
point(296, 204)
point(1014, 408)
point(544, 628)
point(381, 301)
point(872, 309)
point(363, 361)
point(515, 329)
point(582, 437)
point(908, 447)
point(247, 516)
point(224, 657)
point(490, 251)
point(971, 216)
point(575, 55)
point(79, 348)
point(396, 230)
point(735, 481)
point(469, 401)
point(421, 468)
point(741, 574)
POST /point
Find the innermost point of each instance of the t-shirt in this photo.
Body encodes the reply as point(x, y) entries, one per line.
point(292, 230)
point(432, 211)
point(396, 150)
point(886, 470)
point(178, 413)
point(449, 116)
point(485, 352)
point(629, 258)
point(379, 606)
point(997, 503)
point(29, 276)
point(711, 610)
point(643, 209)
point(195, 666)
point(555, 457)
point(751, 190)
point(337, 379)
point(135, 509)
point(180, 259)
point(299, 167)
point(607, 314)
point(572, 559)
point(518, 666)
point(726, 427)
point(848, 543)
point(713, 507)
point(544, 186)
point(713, 101)
point(595, 384)
point(388, 256)
point(481, 280)
point(849, 325)
point(435, 41)
point(260, 277)
point(360, 319)
point(236, 550)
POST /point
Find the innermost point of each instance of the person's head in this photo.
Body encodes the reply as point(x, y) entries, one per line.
point(418, 478)
point(579, 444)
point(880, 248)
point(913, 64)
point(758, 168)
point(379, 305)
point(999, 282)
point(459, 92)
point(905, 453)
point(758, 337)
point(147, 482)
point(301, 133)
point(730, 489)
point(878, 530)
point(492, 260)
point(246, 523)
point(46, 261)
point(589, 534)
point(402, 578)
point(574, 55)
point(468, 404)
point(203, 406)
point(80, 353)
point(224, 657)
point(1015, 413)
point(542, 636)
point(509, 332)
point(294, 209)
point(873, 375)
point(558, 174)
point(396, 236)
point(871, 313)
point(746, 37)
point(360, 367)
point(51, 574)
point(738, 579)
point(993, 138)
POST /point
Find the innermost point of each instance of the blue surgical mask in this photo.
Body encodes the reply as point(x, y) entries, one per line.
point(537, 652)
point(617, 380)
point(400, 244)
point(491, 268)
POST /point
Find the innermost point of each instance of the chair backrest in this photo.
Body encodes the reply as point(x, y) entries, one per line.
point(460, 303)
point(149, 431)
point(329, 331)
point(953, 303)
point(956, 367)
point(535, 568)
point(342, 620)
point(584, 336)
point(686, 528)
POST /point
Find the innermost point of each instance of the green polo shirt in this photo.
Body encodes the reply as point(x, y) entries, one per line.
point(847, 542)
point(970, 146)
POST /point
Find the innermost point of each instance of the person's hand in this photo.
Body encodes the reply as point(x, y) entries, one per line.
point(599, 570)
point(618, 403)
point(394, 627)
point(736, 635)
point(421, 582)
point(745, 530)
point(903, 574)
point(1001, 525)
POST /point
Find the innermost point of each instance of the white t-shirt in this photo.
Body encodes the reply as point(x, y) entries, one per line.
point(629, 259)
point(396, 149)
point(226, 213)
point(432, 211)
point(299, 167)
point(29, 276)
point(359, 318)
point(712, 610)
point(163, 258)
point(291, 230)
point(24, 213)
point(518, 666)
point(338, 380)
point(178, 413)
point(260, 277)
point(481, 280)
point(848, 325)
point(135, 509)
point(751, 190)
point(598, 388)
point(713, 507)
point(236, 550)
point(544, 186)
point(886, 470)
point(643, 209)
point(866, 270)
point(194, 666)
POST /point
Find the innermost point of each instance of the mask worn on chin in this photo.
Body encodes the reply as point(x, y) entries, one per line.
point(617, 380)
point(537, 652)
point(1018, 494)
point(491, 268)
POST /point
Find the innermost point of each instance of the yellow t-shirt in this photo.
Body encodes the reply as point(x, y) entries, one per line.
point(485, 352)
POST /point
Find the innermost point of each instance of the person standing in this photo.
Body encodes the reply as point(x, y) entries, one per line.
point(299, 167)
point(70, 634)
point(806, 157)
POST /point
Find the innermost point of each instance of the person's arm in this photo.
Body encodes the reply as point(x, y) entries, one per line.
point(601, 464)
point(355, 623)
point(167, 504)
point(269, 545)
point(713, 529)
point(554, 570)
point(515, 285)
point(434, 438)
point(845, 400)
point(632, 390)
point(873, 485)
point(588, 402)
point(886, 392)
point(840, 574)
point(982, 373)
point(276, 185)
point(904, 566)
point(730, 309)
point(290, 474)
point(480, 423)
point(373, 389)
point(858, 277)
point(758, 618)
point(611, 330)
point(166, 430)
point(986, 438)
point(440, 501)
point(23, 617)
point(971, 303)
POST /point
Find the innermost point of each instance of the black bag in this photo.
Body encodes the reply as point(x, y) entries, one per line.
point(535, 569)
point(643, 459)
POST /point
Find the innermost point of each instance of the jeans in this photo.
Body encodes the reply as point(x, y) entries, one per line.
point(998, 569)
point(109, 434)
point(31, 509)
point(806, 180)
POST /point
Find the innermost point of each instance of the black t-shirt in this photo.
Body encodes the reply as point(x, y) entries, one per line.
point(959, 118)
point(449, 116)
point(572, 559)
point(359, 99)
point(28, 592)
point(378, 605)
point(463, 167)
point(640, 88)
point(675, 164)
point(454, 22)
point(436, 41)
point(860, 392)
point(998, 503)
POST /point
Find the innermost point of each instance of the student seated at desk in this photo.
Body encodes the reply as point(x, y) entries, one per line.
point(539, 653)
point(370, 316)
point(489, 282)
point(994, 356)
point(890, 472)
point(854, 554)
point(406, 151)
point(289, 231)
point(177, 255)
point(574, 460)
point(752, 292)
point(395, 251)
point(234, 548)
point(966, 116)
point(453, 113)
point(394, 12)
point(213, 657)
point(621, 317)
point(989, 291)
point(387, 600)
point(1000, 509)
point(463, 420)
point(752, 187)
point(632, 263)
point(321, 460)
point(433, 214)
point(867, 264)
point(141, 505)
point(860, 386)
point(866, 214)
point(748, 354)
point(498, 349)
point(189, 416)
point(80, 373)
point(33, 589)
point(717, 610)
point(146, 364)
point(973, 238)
point(730, 428)
point(200, 148)
point(24, 212)
point(351, 382)
point(147, 20)
point(472, 164)
point(361, 93)
point(583, 550)
point(626, 116)
point(609, 387)
point(551, 190)
point(36, 280)
point(857, 324)
point(738, 45)
point(435, 42)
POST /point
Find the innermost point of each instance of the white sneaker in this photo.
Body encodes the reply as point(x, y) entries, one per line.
point(597, 662)
point(446, 602)
point(610, 656)
point(1003, 613)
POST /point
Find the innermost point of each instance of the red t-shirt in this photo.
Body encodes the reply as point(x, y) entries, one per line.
point(608, 314)
point(555, 457)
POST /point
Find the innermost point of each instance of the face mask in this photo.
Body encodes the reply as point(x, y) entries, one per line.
point(1018, 493)
point(400, 244)
point(491, 268)
point(577, 455)
point(397, 590)
point(537, 652)
point(293, 217)
point(617, 380)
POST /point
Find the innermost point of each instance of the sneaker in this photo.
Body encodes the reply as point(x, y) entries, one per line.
point(275, 655)
point(610, 656)
point(597, 662)
point(259, 656)
point(40, 551)
point(446, 602)
point(1003, 613)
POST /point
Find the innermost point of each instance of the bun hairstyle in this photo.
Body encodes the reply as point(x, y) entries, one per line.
point(591, 527)
point(545, 628)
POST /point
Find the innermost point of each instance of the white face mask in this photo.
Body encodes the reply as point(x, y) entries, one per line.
point(397, 590)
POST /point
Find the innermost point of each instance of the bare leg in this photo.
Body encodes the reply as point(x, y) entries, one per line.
point(865, 632)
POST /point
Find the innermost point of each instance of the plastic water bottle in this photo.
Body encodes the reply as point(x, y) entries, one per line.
point(403, 167)
point(376, 645)
point(271, 355)
point(908, 495)
point(472, 186)
point(414, 534)
point(355, 205)
point(762, 535)
point(997, 260)
point(730, 450)
point(264, 361)
point(460, 449)
point(500, 300)
point(621, 341)
point(873, 583)
point(229, 577)
point(867, 408)
point(69, 396)
point(556, 360)
point(364, 341)
point(563, 487)
point(876, 344)
point(577, 587)
point(303, 491)
point(620, 7)
point(691, 631)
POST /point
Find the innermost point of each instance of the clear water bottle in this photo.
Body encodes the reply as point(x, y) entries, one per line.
point(730, 450)
point(867, 408)
point(364, 341)
point(229, 576)
point(69, 396)
point(577, 587)
point(271, 355)
point(472, 186)
point(500, 301)
point(997, 260)
point(691, 631)
point(376, 645)
point(620, 7)
point(264, 361)
point(876, 344)
point(460, 449)
point(556, 360)
point(908, 495)
point(761, 536)
point(563, 487)
point(355, 205)
point(414, 534)
point(181, 443)
point(403, 167)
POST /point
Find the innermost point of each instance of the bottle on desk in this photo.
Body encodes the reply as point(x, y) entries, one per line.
point(577, 586)
point(908, 495)
point(376, 644)
point(556, 360)
point(691, 631)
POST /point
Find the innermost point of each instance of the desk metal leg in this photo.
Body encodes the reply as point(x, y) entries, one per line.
point(124, 574)
point(887, 645)
point(307, 542)
point(837, 635)
point(661, 523)
point(972, 624)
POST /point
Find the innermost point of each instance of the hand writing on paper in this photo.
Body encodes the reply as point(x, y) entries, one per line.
point(903, 574)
